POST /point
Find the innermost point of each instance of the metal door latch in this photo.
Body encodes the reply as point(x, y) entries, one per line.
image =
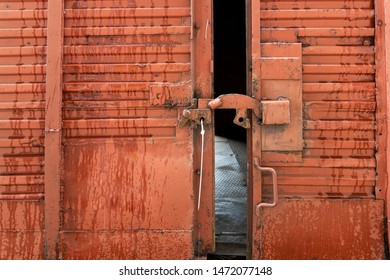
point(196, 112)
point(239, 102)
point(269, 112)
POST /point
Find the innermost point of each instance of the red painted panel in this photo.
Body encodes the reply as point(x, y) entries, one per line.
point(22, 245)
point(128, 170)
point(21, 215)
point(137, 245)
point(126, 184)
point(323, 229)
point(339, 105)
point(22, 102)
point(340, 179)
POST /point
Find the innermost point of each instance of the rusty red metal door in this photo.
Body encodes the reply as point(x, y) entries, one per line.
point(128, 185)
point(329, 174)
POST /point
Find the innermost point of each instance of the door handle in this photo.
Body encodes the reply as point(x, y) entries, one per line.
point(274, 185)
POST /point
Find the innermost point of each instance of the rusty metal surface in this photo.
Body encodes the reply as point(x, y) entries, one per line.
point(241, 103)
point(128, 185)
point(323, 229)
point(382, 58)
point(338, 159)
point(127, 188)
point(254, 85)
point(53, 128)
point(202, 60)
point(21, 229)
point(275, 112)
point(124, 78)
point(22, 101)
point(285, 82)
point(338, 97)
point(135, 245)
point(383, 177)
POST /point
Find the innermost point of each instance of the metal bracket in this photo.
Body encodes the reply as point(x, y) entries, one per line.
point(196, 112)
point(270, 112)
point(195, 115)
point(239, 102)
point(275, 111)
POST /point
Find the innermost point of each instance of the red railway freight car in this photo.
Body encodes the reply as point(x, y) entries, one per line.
point(103, 104)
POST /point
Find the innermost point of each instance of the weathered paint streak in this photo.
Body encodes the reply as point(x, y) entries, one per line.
point(21, 245)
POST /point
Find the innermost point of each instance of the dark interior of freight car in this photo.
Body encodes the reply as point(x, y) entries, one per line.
point(230, 139)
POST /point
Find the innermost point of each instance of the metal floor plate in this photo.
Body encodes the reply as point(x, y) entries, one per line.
point(230, 192)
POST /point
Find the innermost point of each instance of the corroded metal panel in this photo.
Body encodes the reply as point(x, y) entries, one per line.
point(22, 101)
point(21, 227)
point(128, 168)
point(21, 215)
point(127, 184)
point(323, 229)
point(281, 77)
point(135, 245)
point(338, 94)
point(21, 245)
point(53, 127)
point(343, 107)
point(382, 59)
point(383, 177)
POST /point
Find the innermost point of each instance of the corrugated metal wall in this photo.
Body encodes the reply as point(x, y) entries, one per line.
point(22, 91)
point(338, 95)
point(128, 184)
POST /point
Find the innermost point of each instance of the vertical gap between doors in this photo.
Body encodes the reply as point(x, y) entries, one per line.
point(230, 140)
